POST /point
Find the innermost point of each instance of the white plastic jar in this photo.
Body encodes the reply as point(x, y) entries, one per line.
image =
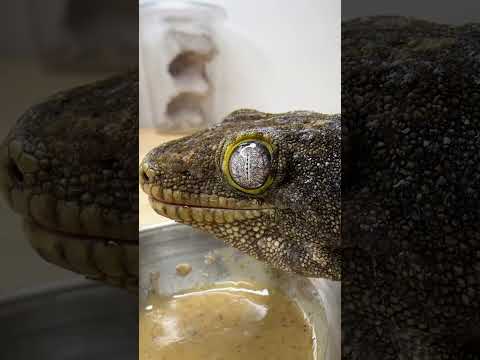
point(177, 62)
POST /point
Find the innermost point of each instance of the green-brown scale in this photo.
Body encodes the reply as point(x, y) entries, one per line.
point(411, 199)
point(293, 224)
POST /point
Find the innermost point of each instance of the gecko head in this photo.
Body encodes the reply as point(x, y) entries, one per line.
point(249, 182)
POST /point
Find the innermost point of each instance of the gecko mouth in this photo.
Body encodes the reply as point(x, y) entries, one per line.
point(69, 218)
point(193, 208)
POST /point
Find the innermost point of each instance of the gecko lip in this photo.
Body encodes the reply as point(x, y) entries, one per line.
point(182, 198)
point(70, 218)
point(191, 214)
point(192, 208)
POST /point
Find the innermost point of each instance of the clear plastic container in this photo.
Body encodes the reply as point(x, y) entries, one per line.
point(164, 246)
point(178, 49)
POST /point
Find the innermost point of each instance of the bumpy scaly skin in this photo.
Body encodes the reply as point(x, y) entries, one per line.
point(294, 225)
point(411, 199)
point(69, 167)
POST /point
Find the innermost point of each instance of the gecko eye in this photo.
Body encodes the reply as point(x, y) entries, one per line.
point(247, 166)
point(250, 165)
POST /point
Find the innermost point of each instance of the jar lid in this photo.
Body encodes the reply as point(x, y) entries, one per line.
point(182, 10)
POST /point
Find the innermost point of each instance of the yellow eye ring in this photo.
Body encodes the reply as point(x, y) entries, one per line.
point(231, 149)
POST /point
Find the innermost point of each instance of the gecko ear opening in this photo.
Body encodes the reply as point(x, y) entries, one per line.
point(248, 164)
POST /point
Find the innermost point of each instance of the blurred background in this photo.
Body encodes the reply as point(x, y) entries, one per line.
point(46, 47)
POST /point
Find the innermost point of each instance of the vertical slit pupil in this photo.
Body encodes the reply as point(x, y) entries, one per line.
point(250, 165)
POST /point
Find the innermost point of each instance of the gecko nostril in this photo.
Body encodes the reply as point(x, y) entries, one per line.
point(15, 171)
point(147, 173)
point(145, 176)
